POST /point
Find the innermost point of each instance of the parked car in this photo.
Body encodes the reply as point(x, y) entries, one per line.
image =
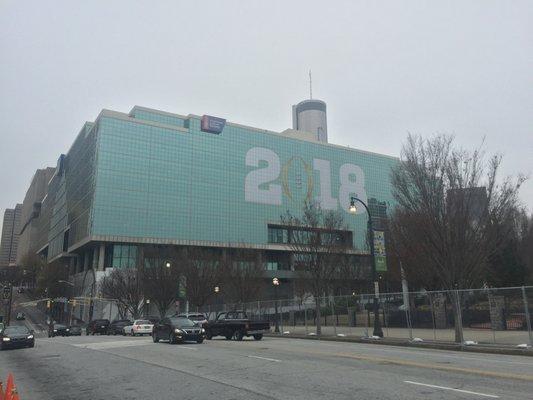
point(237, 325)
point(60, 330)
point(177, 329)
point(2, 326)
point(97, 326)
point(73, 330)
point(16, 336)
point(117, 327)
point(21, 316)
point(139, 327)
point(199, 318)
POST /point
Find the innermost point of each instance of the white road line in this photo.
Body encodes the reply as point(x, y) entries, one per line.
point(111, 344)
point(188, 348)
point(265, 358)
point(455, 390)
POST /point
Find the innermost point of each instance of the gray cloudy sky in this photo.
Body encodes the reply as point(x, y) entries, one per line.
point(385, 68)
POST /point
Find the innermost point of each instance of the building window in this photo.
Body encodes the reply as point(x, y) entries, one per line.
point(124, 256)
point(277, 235)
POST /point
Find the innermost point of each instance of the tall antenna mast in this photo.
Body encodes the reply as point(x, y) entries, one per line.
point(310, 85)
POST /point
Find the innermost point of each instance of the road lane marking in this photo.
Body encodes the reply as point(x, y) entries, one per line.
point(455, 390)
point(186, 347)
point(265, 358)
point(395, 361)
point(111, 345)
point(455, 355)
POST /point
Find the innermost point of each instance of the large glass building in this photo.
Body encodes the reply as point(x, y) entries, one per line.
point(154, 178)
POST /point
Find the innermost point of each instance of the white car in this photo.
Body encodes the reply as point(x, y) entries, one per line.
point(199, 318)
point(139, 327)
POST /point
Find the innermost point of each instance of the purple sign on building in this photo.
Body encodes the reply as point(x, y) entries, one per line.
point(212, 124)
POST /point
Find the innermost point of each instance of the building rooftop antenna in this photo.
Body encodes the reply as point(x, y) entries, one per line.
point(310, 85)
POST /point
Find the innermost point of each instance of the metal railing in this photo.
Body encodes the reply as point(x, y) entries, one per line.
point(494, 315)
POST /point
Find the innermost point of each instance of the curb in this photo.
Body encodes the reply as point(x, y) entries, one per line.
point(450, 346)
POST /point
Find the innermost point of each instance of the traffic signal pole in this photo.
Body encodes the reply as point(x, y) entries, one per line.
point(7, 294)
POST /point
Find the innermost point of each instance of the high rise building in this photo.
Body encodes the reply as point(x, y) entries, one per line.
point(310, 116)
point(10, 236)
point(31, 211)
point(132, 181)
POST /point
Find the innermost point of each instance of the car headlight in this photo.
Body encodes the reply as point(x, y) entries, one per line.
point(202, 330)
point(30, 336)
point(6, 339)
point(55, 330)
point(178, 331)
point(68, 330)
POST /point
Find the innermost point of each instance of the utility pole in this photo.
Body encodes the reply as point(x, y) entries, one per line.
point(7, 294)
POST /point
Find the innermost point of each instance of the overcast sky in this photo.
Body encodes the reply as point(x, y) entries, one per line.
point(385, 68)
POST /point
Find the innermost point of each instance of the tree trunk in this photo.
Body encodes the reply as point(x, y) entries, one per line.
point(318, 321)
point(457, 317)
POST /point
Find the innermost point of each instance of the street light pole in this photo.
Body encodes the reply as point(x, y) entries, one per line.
point(353, 209)
point(275, 282)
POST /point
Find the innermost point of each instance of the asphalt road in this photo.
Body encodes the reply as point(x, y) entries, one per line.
point(102, 367)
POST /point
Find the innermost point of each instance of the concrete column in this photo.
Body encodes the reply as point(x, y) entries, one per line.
point(85, 264)
point(95, 257)
point(101, 257)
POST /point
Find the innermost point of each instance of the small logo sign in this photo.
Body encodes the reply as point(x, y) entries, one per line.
point(212, 124)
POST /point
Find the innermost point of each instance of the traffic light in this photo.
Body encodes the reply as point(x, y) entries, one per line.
point(48, 304)
point(6, 293)
point(73, 303)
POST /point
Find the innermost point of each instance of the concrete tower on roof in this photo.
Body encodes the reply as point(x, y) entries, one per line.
point(310, 116)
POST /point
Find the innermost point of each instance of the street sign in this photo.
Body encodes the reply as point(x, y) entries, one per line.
point(6, 293)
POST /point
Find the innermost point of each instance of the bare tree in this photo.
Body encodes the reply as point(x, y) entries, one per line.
point(320, 241)
point(448, 204)
point(49, 277)
point(31, 265)
point(162, 282)
point(201, 269)
point(127, 288)
point(243, 271)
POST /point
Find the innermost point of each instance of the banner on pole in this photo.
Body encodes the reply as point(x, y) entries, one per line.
point(379, 251)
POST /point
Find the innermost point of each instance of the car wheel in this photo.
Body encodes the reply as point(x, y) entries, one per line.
point(200, 341)
point(208, 336)
point(171, 339)
point(229, 335)
point(259, 336)
point(155, 338)
point(31, 345)
point(239, 335)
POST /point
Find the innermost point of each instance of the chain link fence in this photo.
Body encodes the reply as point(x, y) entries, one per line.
point(486, 316)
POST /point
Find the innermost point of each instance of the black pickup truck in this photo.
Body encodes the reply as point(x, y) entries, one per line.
point(236, 325)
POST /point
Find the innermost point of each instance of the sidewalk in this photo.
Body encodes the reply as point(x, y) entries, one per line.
point(406, 342)
point(481, 336)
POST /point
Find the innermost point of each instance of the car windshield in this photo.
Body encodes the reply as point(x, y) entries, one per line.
point(142, 322)
point(15, 330)
point(182, 322)
point(59, 326)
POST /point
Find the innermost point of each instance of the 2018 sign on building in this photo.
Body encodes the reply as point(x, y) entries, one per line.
point(267, 184)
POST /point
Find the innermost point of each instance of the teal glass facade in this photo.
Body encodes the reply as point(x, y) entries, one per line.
point(157, 176)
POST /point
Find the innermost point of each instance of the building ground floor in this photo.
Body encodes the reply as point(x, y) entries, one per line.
point(88, 264)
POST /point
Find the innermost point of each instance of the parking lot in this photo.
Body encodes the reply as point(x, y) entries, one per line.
point(116, 367)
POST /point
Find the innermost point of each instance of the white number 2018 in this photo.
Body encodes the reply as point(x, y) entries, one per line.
point(259, 186)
